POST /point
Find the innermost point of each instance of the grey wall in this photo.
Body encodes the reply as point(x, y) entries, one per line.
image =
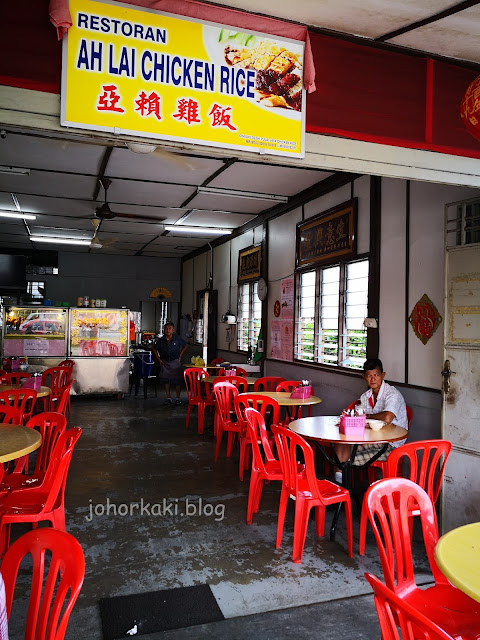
point(122, 280)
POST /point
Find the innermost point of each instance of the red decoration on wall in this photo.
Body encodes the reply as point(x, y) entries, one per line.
point(276, 308)
point(470, 108)
point(425, 319)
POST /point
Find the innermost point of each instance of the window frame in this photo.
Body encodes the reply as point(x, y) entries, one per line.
point(253, 302)
point(341, 323)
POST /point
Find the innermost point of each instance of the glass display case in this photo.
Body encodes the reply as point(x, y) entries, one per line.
point(98, 333)
point(35, 332)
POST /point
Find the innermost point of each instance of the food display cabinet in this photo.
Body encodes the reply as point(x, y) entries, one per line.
point(35, 332)
point(100, 347)
point(96, 338)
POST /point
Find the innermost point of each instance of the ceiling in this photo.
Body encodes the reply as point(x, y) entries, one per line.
point(160, 188)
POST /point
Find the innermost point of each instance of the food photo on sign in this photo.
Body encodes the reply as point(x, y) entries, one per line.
point(166, 76)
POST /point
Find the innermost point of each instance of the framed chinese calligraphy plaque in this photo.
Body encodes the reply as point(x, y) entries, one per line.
point(249, 263)
point(328, 237)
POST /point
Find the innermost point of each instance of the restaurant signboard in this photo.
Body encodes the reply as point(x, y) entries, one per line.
point(138, 71)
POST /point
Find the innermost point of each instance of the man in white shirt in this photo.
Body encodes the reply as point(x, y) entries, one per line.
point(381, 402)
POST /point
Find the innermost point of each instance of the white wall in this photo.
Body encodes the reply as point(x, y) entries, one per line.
point(427, 208)
point(392, 279)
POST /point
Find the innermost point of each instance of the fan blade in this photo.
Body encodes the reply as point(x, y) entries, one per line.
point(182, 161)
point(132, 216)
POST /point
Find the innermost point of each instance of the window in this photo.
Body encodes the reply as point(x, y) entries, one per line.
point(467, 223)
point(36, 290)
point(331, 307)
point(249, 316)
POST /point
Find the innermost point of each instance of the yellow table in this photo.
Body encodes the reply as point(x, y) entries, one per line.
point(211, 379)
point(42, 392)
point(458, 556)
point(285, 400)
point(17, 441)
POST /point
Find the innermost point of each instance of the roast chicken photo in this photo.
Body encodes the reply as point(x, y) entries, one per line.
point(278, 80)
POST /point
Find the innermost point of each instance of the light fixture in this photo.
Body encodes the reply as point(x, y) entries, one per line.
point(141, 147)
point(18, 171)
point(233, 193)
point(81, 242)
point(201, 230)
point(17, 214)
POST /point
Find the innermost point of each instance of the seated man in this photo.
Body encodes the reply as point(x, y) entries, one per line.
point(381, 402)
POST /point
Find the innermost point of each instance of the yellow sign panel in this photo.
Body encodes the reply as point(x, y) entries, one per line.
point(134, 70)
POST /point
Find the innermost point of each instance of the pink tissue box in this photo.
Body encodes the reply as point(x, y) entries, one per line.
point(352, 425)
point(230, 372)
point(301, 392)
point(33, 383)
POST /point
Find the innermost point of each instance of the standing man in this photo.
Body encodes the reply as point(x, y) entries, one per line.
point(168, 352)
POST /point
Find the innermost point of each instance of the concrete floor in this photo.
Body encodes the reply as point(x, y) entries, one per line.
point(136, 450)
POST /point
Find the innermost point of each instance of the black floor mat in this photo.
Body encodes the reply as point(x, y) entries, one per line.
point(158, 611)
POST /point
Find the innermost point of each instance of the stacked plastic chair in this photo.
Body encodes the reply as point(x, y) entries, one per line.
point(198, 395)
point(57, 578)
point(394, 614)
point(388, 504)
point(424, 462)
point(45, 501)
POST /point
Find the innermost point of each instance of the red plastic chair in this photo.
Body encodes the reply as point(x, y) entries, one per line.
point(382, 464)
point(67, 363)
point(389, 504)
point(216, 361)
point(393, 612)
point(62, 403)
point(306, 490)
point(22, 399)
point(55, 378)
point(51, 426)
point(267, 407)
point(10, 415)
point(288, 386)
point(241, 372)
point(224, 394)
point(15, 378)
point(58, 562)
point(265, 467)
point(424, 463)
point(45, 501)
point(193, 381)
point(267, 383)
point(237, 381)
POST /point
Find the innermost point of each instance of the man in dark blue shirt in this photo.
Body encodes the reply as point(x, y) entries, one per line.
point(168, 352)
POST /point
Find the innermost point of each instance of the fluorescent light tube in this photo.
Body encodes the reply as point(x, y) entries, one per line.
point(84, 242)
point(232, 193)
point(18, 215)
point(18, 171)
point(201, 230)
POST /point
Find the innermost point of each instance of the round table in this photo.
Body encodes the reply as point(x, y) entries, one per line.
point(284, 399)
point(325, 430)
point(17, 441)
point(211, 379)
point(458, 556)
point(42, 392)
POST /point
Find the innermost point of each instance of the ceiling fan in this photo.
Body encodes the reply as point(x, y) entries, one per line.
point(96, 243)
point(105, 213)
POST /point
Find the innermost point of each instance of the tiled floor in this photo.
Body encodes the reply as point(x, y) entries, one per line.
point(136, 452)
